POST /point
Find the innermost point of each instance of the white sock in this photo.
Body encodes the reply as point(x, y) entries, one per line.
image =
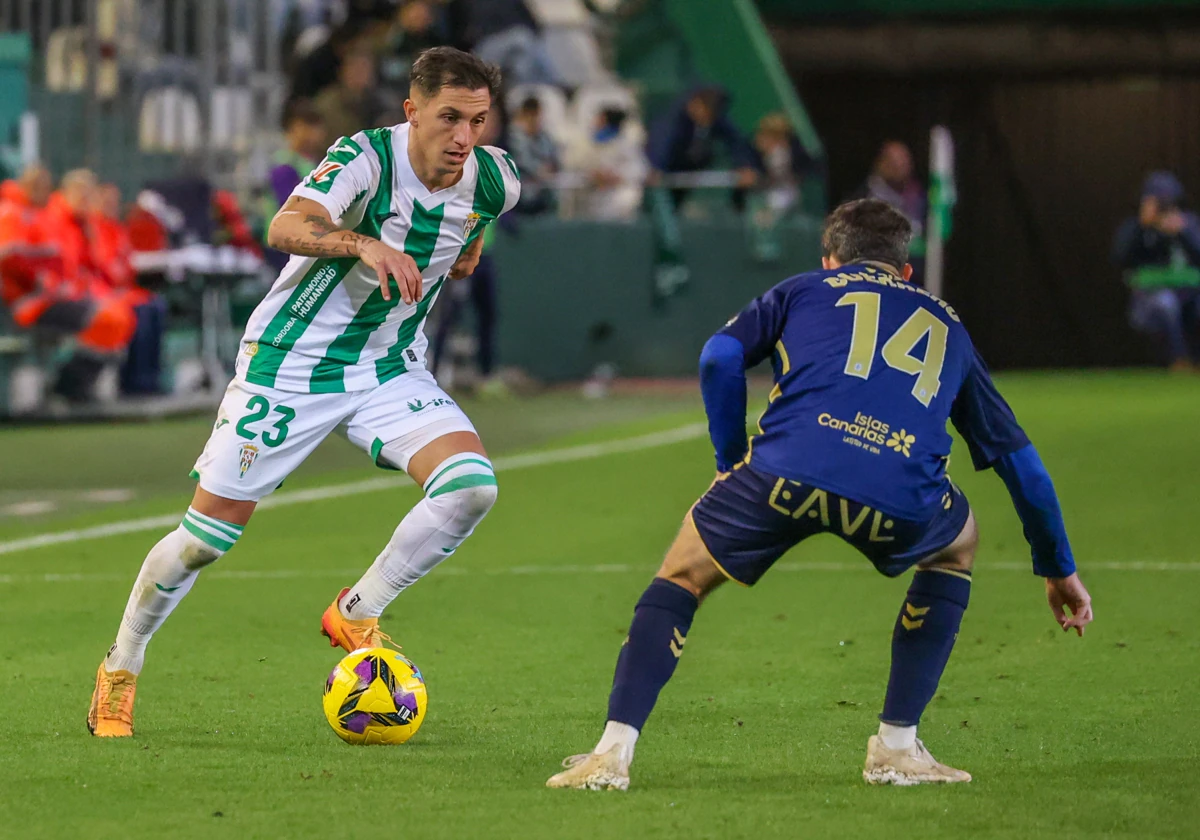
point(618, 733)
point(897, 737)
point(166, 576)
point(459, 493)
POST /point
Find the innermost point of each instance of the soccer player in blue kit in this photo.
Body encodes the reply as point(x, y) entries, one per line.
point(868, 369)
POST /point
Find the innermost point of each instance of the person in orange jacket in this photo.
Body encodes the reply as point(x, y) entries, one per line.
point(112, 252)
point(28, 264)
point(109, 240)
point(49, 277)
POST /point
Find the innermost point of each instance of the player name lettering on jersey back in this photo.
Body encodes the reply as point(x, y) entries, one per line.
point(881, 278)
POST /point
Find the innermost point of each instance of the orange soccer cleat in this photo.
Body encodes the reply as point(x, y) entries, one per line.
point(111, 714)
point(351, 635)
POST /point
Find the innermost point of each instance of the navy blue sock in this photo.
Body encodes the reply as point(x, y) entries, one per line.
point(661, 621)
point(921, 643)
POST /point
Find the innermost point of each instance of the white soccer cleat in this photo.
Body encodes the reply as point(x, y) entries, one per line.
point(913, 766)
point(593, 771)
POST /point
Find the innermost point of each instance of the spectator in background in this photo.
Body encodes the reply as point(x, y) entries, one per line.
point(782, 162)
point(319, 69)
point(612, 156)
point(1160, 252)
point(26, 257)
point(536, 155)
point(21, 202)
point(52, 280)
point(783, 165)
point(502, 32)
point(304, 136)
point(687, 137)
point(893, 181)
point(415, 31)
point(141, 371)
point(354, 102)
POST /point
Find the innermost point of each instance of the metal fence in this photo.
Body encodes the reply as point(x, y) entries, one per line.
point(137, 89)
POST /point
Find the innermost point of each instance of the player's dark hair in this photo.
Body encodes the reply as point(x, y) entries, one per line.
point(441, 67)
point(867, 229)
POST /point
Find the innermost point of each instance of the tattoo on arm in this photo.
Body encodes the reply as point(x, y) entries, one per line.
point(317, 236)
point(320, 226)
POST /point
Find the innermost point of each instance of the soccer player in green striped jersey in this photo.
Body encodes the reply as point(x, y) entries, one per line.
point(387, 218)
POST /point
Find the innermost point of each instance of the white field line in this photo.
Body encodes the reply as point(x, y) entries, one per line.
point(568, 569)
point(513, 462)
point(585, 452)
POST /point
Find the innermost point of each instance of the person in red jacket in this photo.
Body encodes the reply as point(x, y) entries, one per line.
point(112, 252)
point(28, 264)
point(49, 277)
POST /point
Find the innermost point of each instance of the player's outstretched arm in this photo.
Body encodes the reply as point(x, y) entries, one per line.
point(723, 387)
point(304, 227)
point(1037, 505)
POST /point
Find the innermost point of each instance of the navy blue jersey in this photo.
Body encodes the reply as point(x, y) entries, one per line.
point(868, 369)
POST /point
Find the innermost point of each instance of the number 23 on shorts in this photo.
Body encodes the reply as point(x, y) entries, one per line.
point(259, 408)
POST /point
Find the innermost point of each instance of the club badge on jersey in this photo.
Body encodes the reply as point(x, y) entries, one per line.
point(248, 453)
point(471, 223)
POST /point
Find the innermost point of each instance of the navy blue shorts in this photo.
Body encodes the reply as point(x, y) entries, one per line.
point(749, 520)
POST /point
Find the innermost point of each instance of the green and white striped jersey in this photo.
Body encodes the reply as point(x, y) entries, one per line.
point(324, 327)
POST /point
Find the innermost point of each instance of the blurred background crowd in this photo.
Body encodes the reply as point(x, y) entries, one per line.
point(669, 166)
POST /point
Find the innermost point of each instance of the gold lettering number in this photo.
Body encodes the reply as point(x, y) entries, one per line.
point(866, 331)
point(897, 351)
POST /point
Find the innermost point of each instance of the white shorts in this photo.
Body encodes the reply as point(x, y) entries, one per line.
point(262, 434)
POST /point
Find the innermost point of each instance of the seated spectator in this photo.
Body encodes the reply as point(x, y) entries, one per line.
point(51, 280)
point(536, 156)
point(304, 146)
point(502, 32)
point(24, 252)
point(783, 165)
point(112, 251)
point(354, 102)
point(893, 181)
point(782, 162)
point(109, 240)
point(613, 158)
point(686, 138)
point(1160, 252)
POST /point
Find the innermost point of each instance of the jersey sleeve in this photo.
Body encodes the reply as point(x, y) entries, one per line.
point(349, 172)
point(984, 419)
point(760, 325)
point(499, 180)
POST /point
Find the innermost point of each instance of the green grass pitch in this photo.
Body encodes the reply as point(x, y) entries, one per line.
point(761, 734)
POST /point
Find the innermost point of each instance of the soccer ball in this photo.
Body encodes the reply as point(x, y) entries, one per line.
point(375, 696)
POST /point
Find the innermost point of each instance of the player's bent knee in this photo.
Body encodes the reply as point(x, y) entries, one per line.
point(475, 502)
point(688, 564)
point(201, 540)
point(195, 555)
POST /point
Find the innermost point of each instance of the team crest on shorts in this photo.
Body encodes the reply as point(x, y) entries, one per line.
point(249, 452)
point(471, 223)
